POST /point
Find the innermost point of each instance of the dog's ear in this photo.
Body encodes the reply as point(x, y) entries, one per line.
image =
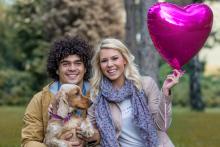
point(63, 104)
point(76, 92)
point(55, 102)
point(64, 97)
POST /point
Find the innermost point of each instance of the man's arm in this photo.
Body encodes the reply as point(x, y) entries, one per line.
point(32, 131)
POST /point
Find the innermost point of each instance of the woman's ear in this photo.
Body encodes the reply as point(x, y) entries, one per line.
point(125, 61)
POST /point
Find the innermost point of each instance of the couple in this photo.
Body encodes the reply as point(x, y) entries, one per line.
point(128, 110)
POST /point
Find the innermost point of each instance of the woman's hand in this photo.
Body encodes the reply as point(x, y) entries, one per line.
point(95, 138)
point(171, 81)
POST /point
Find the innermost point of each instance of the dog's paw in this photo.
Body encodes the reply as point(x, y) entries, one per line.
point(87, 129)
point(62, 144)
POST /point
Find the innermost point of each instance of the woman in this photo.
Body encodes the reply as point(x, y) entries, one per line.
point(128, 110)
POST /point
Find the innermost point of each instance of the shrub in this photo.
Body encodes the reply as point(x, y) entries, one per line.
point(15, 87)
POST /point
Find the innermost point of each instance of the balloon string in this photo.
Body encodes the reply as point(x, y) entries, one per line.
point(182, 72)
point(165, 116)
point(165, 107)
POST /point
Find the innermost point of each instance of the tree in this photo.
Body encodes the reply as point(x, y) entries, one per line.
point(34, 24)
point(137, 36)
point(20, 74)
point(149, 56)
point(195, 81)
point(195, 84)
point(195, 69)
point(91, 19)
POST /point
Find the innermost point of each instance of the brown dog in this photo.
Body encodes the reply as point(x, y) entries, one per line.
point(69, 110)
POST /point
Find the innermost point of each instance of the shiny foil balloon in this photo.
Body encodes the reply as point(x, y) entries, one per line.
point(178, 33)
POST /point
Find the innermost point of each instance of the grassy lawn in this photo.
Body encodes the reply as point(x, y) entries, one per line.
point(188, 129)
point(10, 126)
point(195, 129)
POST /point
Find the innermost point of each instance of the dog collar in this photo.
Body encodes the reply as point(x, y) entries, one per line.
point(52, 115)
point(78, 112)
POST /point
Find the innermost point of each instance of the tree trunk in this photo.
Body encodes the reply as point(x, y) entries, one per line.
point(195, 85)
point(149, 61)
point(194, 72)
point(130, 27)
point(138, 39)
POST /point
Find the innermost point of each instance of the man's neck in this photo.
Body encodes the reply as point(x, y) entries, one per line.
point(80, 85)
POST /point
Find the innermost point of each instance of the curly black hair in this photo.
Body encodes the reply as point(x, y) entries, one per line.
point(64, 47)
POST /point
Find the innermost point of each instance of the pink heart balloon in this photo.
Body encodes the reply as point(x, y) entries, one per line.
point(178, 33)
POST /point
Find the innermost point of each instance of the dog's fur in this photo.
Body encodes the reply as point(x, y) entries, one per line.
point(68, 100)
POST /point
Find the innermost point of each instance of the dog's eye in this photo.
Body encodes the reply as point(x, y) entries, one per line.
point(77, 93)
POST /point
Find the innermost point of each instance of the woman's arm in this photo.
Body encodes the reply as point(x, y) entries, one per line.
point(159, 101)
point(158, 104)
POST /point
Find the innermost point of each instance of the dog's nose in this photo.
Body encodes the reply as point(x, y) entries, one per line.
point(90, 102)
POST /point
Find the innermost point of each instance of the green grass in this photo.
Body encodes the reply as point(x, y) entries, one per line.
point(10, 126)
point(195, 129)
point(188, 129)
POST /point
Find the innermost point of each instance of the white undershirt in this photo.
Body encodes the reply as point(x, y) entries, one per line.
point(130, 134)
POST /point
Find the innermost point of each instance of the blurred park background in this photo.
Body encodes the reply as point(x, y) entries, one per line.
point(27, 28)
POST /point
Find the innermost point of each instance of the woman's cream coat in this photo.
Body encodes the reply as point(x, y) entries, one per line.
point(158, 104)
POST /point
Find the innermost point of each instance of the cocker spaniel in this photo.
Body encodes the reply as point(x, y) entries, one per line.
point(69, 110)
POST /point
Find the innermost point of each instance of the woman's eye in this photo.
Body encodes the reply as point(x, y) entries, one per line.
point(103, 61)
point(114, 58)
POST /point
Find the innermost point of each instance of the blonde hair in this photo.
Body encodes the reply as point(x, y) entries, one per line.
point(131, 71)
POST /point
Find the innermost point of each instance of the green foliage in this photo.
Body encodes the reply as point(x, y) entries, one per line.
point(211, 91)
point(29, 26)
point(180, 93)
point(15, 87)
point(23, 53)
point(29, 46)
point(210, 86)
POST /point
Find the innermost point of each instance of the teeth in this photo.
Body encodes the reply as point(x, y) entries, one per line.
point(112, 71)
point(72, 76)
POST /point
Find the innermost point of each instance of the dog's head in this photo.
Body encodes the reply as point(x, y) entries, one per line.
point(70, 97)
point(74, 96)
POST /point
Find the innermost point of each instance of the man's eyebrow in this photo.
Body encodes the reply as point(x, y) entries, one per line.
point(62, 61)
point(79, 60)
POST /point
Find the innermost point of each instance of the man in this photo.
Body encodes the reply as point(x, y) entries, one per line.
point(68, 62)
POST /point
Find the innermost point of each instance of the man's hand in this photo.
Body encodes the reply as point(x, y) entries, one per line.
point(95, 138)
point(68, 135)
point(73, 143)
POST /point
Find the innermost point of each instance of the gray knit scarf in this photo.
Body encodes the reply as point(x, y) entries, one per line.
point(141, 115)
